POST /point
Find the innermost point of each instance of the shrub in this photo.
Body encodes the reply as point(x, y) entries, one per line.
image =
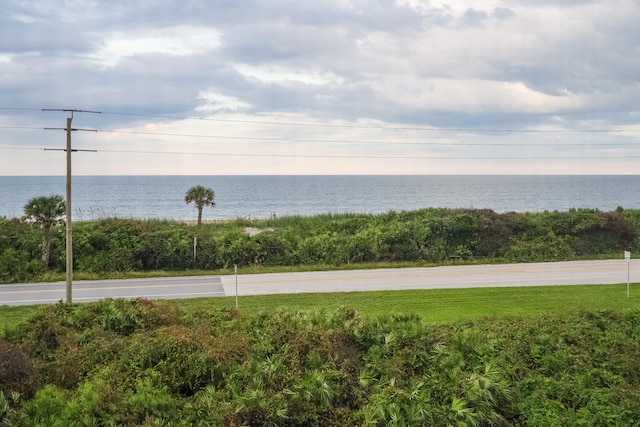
point(143, 363)
point(17, 371)
point(432, 235)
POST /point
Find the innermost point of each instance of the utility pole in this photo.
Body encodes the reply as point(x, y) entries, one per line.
point(69, 237)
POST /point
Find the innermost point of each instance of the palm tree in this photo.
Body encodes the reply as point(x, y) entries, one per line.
point(47, 212)
point(202, 196)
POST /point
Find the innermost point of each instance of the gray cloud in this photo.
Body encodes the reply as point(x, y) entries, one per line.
point(519, 64)
point(473, 17)
point(503, 13)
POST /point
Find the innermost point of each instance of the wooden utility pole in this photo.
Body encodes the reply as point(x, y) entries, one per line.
point(69, 238)
point(69, 232)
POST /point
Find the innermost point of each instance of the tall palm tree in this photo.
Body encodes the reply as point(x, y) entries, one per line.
point(201, 196)
point(47, 212)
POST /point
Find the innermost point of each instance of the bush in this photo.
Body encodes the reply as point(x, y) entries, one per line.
point(143, 363)
point(17, 371)
point(431, 235)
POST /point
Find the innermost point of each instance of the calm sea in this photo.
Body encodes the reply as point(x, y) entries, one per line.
point(162, 197)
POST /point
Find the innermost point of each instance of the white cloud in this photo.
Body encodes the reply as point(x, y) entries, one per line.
point(473, 96)
point(180, 40)
point(282, 74)
point(212, 102)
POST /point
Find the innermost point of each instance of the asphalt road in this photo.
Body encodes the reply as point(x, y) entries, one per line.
point(535, 274)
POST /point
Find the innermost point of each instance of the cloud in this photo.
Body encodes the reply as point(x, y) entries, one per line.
point(506, 64)
point(173, 41)
point(473, 17)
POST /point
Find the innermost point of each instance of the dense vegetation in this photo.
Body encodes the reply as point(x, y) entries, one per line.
point(126, 363)
point(129, 363)
point(424, 236)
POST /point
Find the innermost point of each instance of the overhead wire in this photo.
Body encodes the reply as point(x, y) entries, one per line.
point(347, 156)
point(339, 156)
point(353, 141)
point(353, 126)
point(344, 141)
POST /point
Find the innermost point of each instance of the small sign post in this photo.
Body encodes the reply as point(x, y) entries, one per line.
point(627, 257)
point(235, 270)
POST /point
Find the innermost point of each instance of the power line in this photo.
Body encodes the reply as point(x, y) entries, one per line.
point(451, 145)
point(23, 148)
point(342, 141)
point(354, 126)
point(302, 124)
point(418, 128)
point(22, 127)
point(20, 109)
point(347, 156)
point(346, 141)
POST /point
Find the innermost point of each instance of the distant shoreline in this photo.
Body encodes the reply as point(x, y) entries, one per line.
point(257, 197)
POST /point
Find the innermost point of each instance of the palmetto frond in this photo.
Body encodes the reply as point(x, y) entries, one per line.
point(47, 212)
point(201, 196)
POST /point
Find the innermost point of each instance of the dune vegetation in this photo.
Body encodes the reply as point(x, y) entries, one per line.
point(131, 363)
point(540, 361)
point(117, 246)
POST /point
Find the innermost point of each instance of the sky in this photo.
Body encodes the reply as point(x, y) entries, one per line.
point(196, 87)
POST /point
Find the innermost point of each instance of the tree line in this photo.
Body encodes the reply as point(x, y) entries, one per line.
point(419, 237)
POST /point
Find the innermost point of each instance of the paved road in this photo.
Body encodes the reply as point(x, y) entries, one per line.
point(557, 273)
point(84, 291)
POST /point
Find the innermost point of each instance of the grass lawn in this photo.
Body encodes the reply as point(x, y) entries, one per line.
point(439, 305)
point(11, 316)
point(446, 305)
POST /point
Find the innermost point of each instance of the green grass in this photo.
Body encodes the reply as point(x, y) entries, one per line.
point(252, 269)
point(440, 305)
point(261, 269)
point(446, 305)
point(12, 316)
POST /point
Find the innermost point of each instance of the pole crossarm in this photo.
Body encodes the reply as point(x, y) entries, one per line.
point(73, 129)
point(72, 110)
point(73, 150)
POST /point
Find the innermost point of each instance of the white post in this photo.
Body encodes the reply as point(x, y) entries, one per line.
point(235, 270)
point(627, 257)
point(195, 245)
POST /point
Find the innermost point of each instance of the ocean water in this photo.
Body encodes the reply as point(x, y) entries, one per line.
point(162, 197)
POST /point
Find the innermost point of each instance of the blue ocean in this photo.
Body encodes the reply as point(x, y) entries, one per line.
point(162, 197)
